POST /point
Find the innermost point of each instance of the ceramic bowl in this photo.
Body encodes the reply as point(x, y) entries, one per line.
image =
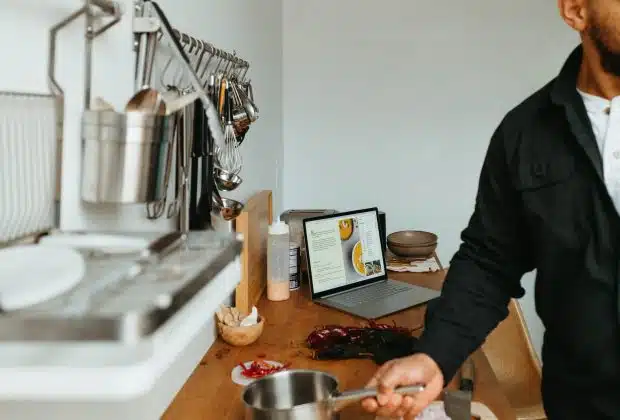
point(412, 243)
point(409, 238)
point(422, 251)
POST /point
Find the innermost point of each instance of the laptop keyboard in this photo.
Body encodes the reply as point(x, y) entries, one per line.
point(368, 294)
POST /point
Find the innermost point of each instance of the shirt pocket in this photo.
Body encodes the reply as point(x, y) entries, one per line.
point(539, 175)
point(553, 202)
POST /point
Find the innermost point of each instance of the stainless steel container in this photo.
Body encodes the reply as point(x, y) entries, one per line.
point(125, 156)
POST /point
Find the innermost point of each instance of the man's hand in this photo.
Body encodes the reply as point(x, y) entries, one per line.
point(418, 369)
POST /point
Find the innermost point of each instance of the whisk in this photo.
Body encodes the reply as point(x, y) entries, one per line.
point(228, 155)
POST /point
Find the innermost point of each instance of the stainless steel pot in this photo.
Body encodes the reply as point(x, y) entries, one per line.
point(302, 395)
point(125, 156)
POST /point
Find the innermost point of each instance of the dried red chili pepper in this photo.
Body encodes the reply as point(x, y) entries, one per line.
point(330, 335)
point(258, 369)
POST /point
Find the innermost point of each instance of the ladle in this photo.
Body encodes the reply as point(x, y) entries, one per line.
point(147, 99)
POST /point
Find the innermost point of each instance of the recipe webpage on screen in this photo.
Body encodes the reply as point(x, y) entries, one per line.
point(344, 250)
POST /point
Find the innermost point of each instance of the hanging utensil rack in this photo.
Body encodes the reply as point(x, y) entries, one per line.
point(36, 137)
point(149, 18)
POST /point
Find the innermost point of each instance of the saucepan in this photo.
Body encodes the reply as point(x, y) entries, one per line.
point(302, 395)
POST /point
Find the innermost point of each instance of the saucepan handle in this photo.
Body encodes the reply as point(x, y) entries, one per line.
point(345, 398)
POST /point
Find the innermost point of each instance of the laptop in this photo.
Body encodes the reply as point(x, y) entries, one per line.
point(347, 270)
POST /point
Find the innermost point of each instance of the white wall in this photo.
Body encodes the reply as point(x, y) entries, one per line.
point(392, 103)
point(389, 105)
point(253, 29)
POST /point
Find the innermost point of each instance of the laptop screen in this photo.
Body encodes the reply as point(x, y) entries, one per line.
point(343, 251)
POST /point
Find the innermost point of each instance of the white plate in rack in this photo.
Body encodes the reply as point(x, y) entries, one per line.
point(109, 244)
point(31, 274)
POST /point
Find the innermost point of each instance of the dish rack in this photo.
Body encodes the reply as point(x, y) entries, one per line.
point(31, 138)
point(28, 176)
point(114, 304)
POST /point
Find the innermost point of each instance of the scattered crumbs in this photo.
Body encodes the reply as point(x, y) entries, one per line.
point(261, 355)
point(203, 362)
point(220, 354)
point(298, 354)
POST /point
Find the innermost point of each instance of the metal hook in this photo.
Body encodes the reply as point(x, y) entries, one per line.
point(239, 69)
point(229, 64)
point(191, 45)
point(219, 64)
point(247, 67)
point(206, 67)
point(202, 50)
point(233, 63)
point(164, 70)
point(155, 209)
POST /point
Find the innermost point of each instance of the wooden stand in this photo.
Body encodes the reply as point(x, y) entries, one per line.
point(253, 223)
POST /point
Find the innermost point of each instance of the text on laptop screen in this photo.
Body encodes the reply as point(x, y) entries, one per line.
point(343, 250)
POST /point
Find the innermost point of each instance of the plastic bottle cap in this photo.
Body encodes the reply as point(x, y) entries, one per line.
point(278, 228)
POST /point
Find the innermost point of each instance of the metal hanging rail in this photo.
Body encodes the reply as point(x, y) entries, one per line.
point(149, 18)
point(189, 40)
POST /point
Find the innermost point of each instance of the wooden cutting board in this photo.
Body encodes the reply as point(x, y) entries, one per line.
point(253, 223)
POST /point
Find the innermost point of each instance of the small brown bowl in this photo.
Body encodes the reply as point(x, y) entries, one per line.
point(241, 336)
point(421, 251)
point(412, 238)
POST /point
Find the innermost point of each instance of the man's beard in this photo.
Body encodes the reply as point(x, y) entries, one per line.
point(610, 61)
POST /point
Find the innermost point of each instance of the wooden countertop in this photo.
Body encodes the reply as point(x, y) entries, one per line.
point(210, 393)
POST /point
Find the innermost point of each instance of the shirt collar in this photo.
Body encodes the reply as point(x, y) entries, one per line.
point(564, 90)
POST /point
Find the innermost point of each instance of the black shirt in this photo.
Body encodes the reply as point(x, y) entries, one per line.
point(541, 204)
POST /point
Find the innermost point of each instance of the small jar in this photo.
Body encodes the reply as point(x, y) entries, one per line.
point(278, 260)
point(294, 258)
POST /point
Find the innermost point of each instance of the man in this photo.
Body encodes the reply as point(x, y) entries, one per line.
point(548, 199)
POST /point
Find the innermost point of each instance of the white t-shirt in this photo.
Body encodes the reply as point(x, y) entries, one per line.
point(605, 119)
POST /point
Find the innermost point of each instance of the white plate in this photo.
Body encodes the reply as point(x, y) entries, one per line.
point(111, 244)
point(30, 274)
point(239, 379)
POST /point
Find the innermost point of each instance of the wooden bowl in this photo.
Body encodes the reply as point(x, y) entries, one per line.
point(241, 336)
point(422, 251)
point(412, 238)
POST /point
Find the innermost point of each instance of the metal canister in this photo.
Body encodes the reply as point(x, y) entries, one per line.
point(126, 156)
point(294, 259)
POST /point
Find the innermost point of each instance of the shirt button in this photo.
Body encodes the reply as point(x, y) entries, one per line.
point(538, 170)
point(616, 154)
